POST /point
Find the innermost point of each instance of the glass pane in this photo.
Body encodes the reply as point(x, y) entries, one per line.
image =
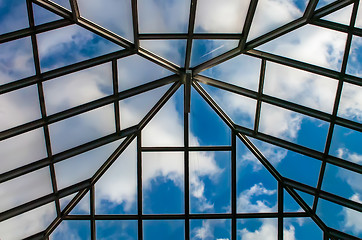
point(163, 229)
point(42, 15)
point(204, 50)
point(301, 229)
point(114, 15)
point(206, 127)
point(65, 200)
point(83, 206)
point(81, 167)
point(300, 87)
point(271, 14)
point(311, 44)
point(239, 108)
point(72, 229)
point(135, 70)
point(134, 109)
point(19, 107)
point(167, 127)
point(307, 198)
point(294, 127)
point(210, 182)
point(163, 16)
point(16, 60)
point(350, 106)
point(116, 190)
point(219, 16)
point(78, 88)
point(28, 223)
point(322, 3)
point(82, 128)
point(342, 182)
point(258, 229)
point(171, 50)
point(13, 16)
point(116, 229)
point(243, 71)
point(163, 182)
point(71, 44)
point(359, 17)
point(290, 205)
point(346, 144)
point(25, 188)
point(22, 149)
point(256, 187)
point(209, 229)
point(354, 64)
point(342, 16)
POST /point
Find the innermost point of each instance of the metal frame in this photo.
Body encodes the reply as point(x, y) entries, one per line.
point(189, 77)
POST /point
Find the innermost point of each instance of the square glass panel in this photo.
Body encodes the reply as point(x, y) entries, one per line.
point(163, 229)
point(116, 229)
point(350, 106)
point(13, 16)
point(209, 229)
point(72, 229)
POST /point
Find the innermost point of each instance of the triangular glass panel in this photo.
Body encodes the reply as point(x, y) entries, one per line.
point(35, 220)
point(113, 15)
point(271, 14)
point(71, 44)
point(110, 229)
point(206, 127)
point(134, 109)
point(78, 88)
point(63, 3)
point(83, 166)
point(354, 64)
point(290, 164)
point(13, 16)
point(163, 17)
point(66, 200)
point(323, 3)
point(359, 17)
point(42, 15)
point(204, 50)
point(239, 108)
point(82, 207)
point(116, 190)
point(342, 16)
point(256, 187)
point(242, 71)
point(315, 45)
point(307, 198)
point(136, 70)
point(171, 50)
point(349, 105)
point(167, 125)
point(72, 229)
point(290, 205)
point(301, 228)
point(16, 60)
point(220, 16)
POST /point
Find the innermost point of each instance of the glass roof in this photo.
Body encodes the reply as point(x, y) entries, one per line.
point(194, 119)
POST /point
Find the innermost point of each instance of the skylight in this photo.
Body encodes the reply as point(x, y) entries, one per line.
point(183, 119)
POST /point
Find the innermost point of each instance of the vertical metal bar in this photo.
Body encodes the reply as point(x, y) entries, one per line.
point(135, 24)
point(186, 168)
point(139, 186)
point(115, 93)
point(247, 24)
point(190, 33)
point(280, 210)
point(233, 186)
point(260, 94)
point(92, 212)
point(75, 9)
point(188, 79)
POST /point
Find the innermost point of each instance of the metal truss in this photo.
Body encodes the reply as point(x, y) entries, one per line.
point(189, 77)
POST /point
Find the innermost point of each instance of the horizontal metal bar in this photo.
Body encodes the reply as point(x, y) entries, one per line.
point(332, 7)
point(190, 148)
point(156, 36)
point(337, 27)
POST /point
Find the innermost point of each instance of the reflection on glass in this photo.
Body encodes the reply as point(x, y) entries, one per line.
point(13, 16)
point(350, 106)
point(217, 16)
point(293, 126)
point(25, 188)
point(209, 229)
point(204, 50)
point(32, 145)
point(114, 15)
point(163, 182)
point(206, 127)
point(82, 128)
point(116, 229)
point(16, 60)
point(210, 182)
point(163, 16)
point(300, 87)
point(78, 88)
point(28, 223)
point(171, 50)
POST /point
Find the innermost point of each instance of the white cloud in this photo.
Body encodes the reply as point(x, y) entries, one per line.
point(353, 218)
point(350, 156)
point(245, 198)
point(267, 231)
point(207, 229)
point(350, 105)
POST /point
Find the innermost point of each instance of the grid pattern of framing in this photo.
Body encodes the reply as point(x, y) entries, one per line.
point(189, 77)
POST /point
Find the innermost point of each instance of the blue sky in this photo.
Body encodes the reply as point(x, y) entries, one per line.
point(163, 172)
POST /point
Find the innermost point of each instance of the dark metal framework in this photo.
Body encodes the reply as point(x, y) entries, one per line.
point(190, 78)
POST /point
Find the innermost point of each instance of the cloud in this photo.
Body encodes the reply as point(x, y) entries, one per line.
point(245, 203)
point(350, 156)
point(352, 218)
point(350, 105)
point(208, 228)
point(267, 231)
